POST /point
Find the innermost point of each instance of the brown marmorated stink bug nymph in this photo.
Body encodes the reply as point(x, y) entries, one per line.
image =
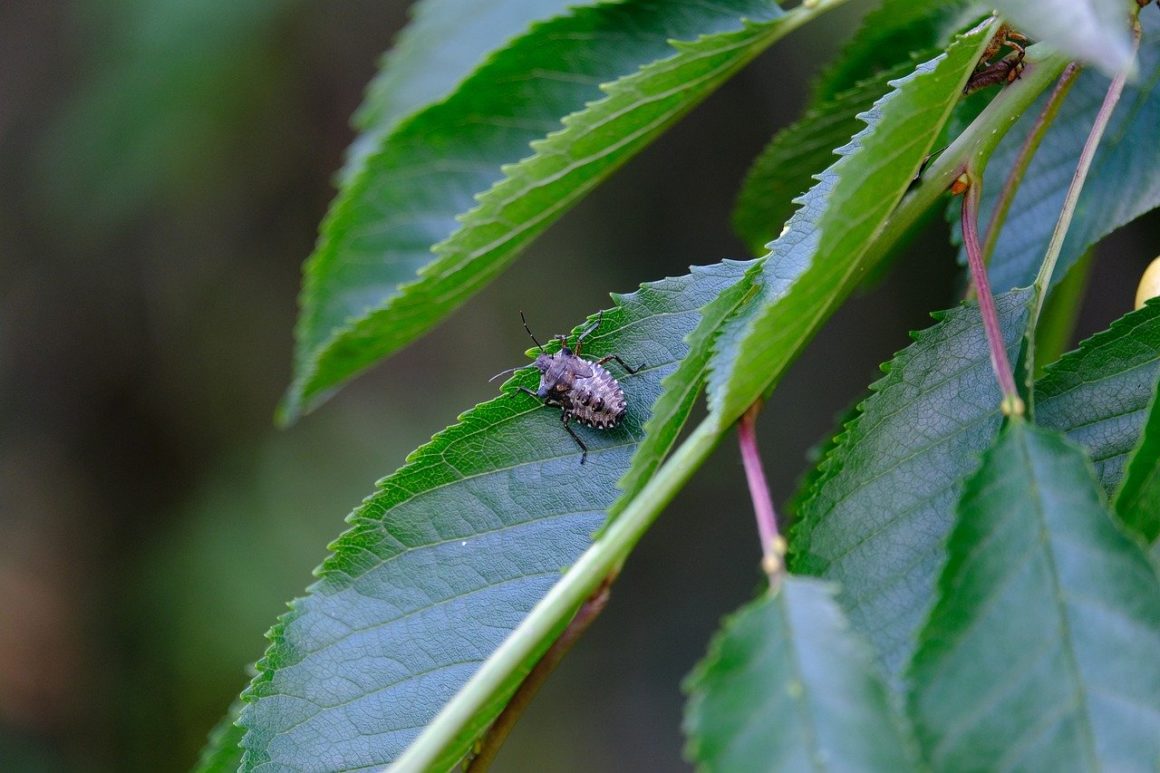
point(582, 389)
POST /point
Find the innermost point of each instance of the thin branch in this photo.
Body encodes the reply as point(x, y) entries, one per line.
point(772, 543)
point(1023, 160)
point(1012, 404)
point(1043, 279)
point(493, 740)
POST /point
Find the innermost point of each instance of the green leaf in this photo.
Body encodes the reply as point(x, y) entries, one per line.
point(434, 52)
point(1041, 651)
point(373, 286)
point(817, 260)
point(892, 34)
point(451, 552)
point(1138, 500)
point(1093, 31)
point(884, 500)
point(223, 751)
point(786, 686)
point(787, 166)
point(1123, 183)
point(1099, 394)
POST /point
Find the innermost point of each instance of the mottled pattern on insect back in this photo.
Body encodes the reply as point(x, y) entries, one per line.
point(583, 389)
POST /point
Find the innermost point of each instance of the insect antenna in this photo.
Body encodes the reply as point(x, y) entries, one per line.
point(538, 344)
point(509, 370)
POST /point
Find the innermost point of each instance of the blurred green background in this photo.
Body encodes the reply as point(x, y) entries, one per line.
point(164, 165)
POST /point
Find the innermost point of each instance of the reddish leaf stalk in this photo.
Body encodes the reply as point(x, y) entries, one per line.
point(489, 746)
point(1012, 404)
point(772, 544)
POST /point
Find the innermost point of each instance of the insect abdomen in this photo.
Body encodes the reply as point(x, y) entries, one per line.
point(597, 401)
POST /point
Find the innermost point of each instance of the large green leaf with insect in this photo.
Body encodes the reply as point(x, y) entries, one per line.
point(817, 260)
point(1122, 184)
point(883, 501)
point(432, 55)
point(1092, 31)
point(786, 686)
point(1042, 604)
point(373, 285)
point(447, 556)
point(1137, 500)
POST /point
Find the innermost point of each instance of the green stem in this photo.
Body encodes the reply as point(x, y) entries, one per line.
point(1043, 279)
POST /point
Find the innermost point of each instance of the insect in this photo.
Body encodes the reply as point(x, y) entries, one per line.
point(583, 389)
point(1007, 69)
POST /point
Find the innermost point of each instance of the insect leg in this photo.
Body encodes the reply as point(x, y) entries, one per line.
point(526, 391)
point(565, 417)
point(603, 360)
point(580, 338)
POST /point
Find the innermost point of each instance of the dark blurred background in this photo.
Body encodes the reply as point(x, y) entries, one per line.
point(164, 165)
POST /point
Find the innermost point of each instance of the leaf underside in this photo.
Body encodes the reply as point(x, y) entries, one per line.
point(1041, 651)
point(452, 551)
point(786, 686)
point(446, 180)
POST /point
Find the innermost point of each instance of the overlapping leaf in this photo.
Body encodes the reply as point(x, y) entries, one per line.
point(890, 35)
point(1123, 183)
point(1099, 394)
point(877, 517)
point(786, 686)
point(816, 261)
point(787, 166)
point(1041, 651)
point(372, 285)
point(1093, 31)
point(445, 559)
point(1138, 498)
